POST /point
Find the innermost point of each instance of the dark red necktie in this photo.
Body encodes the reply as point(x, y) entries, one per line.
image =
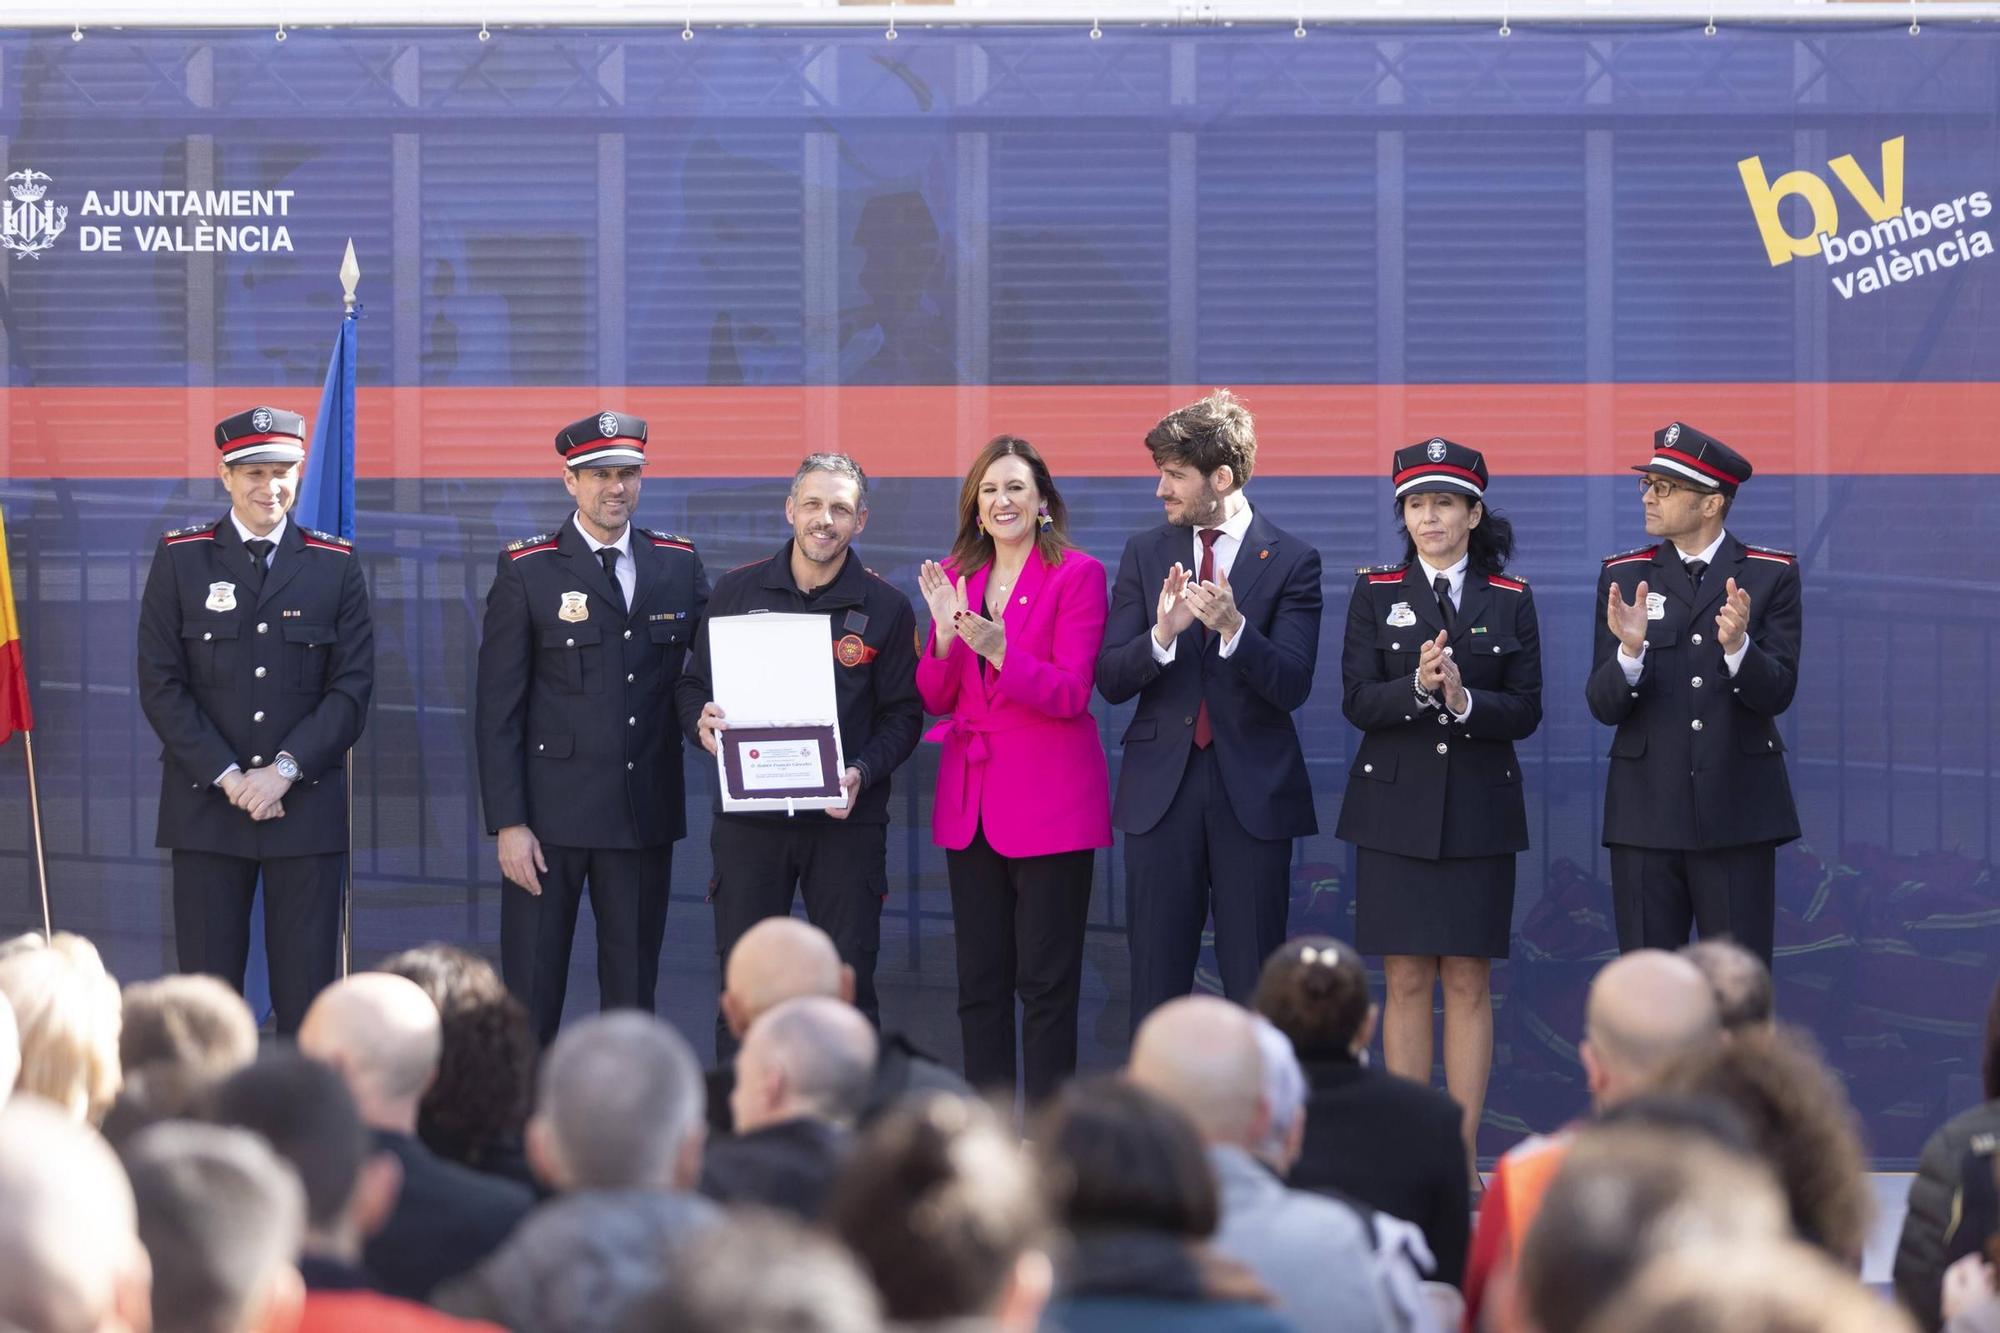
point(1204, 735)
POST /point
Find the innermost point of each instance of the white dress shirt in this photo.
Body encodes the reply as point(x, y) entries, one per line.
point(247, 535)
point(628, 573)
point(1634, 667)
point(274, 536)
point(1226, 547)
point(1456, 576)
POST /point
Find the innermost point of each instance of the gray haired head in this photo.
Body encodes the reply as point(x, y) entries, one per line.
point(841, 466)
point(621, 1093)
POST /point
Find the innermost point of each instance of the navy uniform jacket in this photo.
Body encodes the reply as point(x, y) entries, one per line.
point(1697, 763)
point(575, 719)
point(228, 679)
point(1423, 783)
point(1250, 694)
point(873, 635)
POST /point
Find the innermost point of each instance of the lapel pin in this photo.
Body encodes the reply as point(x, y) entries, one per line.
point(1264, 554)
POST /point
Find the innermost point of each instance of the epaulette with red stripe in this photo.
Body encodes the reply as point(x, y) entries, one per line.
point(541, 541)
point(1383, 573)
point(199, 532)
point(1508, 581)
point(1636, 553)
point(669, 540)
point(326, 541)
point(1769, 553)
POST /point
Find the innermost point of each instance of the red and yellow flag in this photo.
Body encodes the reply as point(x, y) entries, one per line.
point(16, 714)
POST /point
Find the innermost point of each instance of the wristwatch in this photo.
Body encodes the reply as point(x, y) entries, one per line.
point(288, 767)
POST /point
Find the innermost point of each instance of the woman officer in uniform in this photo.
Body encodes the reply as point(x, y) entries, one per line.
point(1442, 671)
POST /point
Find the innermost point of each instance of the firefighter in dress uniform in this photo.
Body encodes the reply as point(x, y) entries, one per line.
point(579, 751)
point(1697, 657)
point(1442, 671)
point(256, 663)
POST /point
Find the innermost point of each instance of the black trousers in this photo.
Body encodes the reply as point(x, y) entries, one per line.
point(842, 870)
point(212, 897)
point(1199, 859)
point(1728, 891)
point(628, 898)
point(1018, 926)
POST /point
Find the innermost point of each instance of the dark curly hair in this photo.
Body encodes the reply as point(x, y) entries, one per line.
point(486, 1073)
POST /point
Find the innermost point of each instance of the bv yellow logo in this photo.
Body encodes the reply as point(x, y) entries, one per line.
point(1879, 204)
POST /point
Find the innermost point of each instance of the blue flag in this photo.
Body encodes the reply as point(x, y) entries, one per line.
point(326, 494)
point(326, 502)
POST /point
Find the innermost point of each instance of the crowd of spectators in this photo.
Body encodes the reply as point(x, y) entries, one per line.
point(414, 1164)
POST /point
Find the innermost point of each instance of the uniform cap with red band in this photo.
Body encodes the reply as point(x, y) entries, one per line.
point(609, 439)
point(1695, 458)
point(1439, 465)
point(262, 435)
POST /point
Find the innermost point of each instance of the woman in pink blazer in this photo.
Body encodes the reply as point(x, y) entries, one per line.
point(1023, 796)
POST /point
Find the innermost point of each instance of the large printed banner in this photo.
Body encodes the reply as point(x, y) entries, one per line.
point(1545, 245)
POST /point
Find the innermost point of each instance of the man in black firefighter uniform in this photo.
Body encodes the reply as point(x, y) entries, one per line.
point(1697, 656)
point(579, 756)
point(256, 662)
point(838, 858)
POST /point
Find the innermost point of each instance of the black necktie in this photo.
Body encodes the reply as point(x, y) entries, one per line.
point(1695, 569)
point(609, 555)
point(1442, 585)
point(260, 549)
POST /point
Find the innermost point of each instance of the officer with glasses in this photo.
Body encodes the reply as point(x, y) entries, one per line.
point(1697, 656)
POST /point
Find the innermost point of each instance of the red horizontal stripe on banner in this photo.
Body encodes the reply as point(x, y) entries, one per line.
point(1085, 430)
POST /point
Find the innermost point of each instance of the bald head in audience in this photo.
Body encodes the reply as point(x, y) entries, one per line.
point(812, 1057)
point(69, 1231)
point(382, 1034)
point(781, 958)
point(1645, 1010)
point(1200, 1055)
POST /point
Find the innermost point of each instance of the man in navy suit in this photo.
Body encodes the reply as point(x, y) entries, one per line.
point(1215, 626)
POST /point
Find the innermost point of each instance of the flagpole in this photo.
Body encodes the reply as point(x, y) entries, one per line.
point(350, 278)
point(35, 814)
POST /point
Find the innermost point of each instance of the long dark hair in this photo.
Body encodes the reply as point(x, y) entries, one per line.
point(972, 549)
point(1492, 541)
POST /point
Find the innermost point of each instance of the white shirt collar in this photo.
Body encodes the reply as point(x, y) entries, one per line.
point(1456, 574)
point(623, 545)
point(1233, 527)
point(274, 536)
point(1707, 557)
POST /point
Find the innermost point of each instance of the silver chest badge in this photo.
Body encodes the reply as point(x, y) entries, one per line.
point(1656, 606)
point(1400, 615)
point(575, 606)
point(221, 597)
